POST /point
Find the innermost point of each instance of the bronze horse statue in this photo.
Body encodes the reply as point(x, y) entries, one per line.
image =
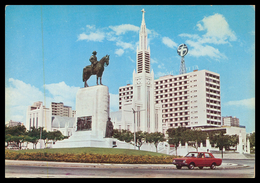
point(97, 70)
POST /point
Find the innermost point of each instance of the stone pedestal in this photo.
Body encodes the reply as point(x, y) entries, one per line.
point(94, 102)
point(92, 111)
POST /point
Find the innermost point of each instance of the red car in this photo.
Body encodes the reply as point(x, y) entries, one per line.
point(197, 159)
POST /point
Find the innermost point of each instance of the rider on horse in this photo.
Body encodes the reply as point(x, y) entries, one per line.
point(93, 60)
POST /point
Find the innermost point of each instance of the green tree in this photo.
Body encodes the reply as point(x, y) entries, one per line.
point(15, 134)
point(123, 135)
point(155, 138)
point(195, 135)
point(176, 135)
point(252, 140)
point(223, 140)
point(140, 139)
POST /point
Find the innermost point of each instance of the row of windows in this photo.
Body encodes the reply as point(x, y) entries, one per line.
point(179, 124)
point(213, 112)
point(176, 119)
point(170, 80)
point(211, 85)
point(175, 109)
point(213, 101)
point(126, 93)
point(175, 114)
point(212, 91)
point(212, 75)
point(128, 88)
point(170, 85)
point(214, 117)
point(174, 104)
point(212, 96)
point(212, 80)
point(213, 107)
point(170, 95)
point(213, 122)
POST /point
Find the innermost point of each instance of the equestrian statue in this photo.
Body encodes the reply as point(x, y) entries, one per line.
point(96, 68)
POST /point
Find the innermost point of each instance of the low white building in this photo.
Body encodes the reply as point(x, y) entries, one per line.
point(66, 125)
point(40, 116)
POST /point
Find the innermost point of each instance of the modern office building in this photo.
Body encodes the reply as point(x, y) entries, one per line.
point(59, 109)
point(189, 100)
point(230, 121)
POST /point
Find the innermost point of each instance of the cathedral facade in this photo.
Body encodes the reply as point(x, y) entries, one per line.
point(139, 112)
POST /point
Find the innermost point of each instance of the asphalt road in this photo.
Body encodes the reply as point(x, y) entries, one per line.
point(83, 172)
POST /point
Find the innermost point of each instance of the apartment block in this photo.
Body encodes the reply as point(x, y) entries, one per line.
point(189, 100)
point(58, 109)
point(230, 121)
point(126, 93)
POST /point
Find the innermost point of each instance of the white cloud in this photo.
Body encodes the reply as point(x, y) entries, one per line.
point(217, 28)
point(61, 92)
point(168, 42)
point(122, 29)
point(19, 95)
point(125, 45)
point(93, 27)
point(119, 52)
point(204, 50)
point(249, 103)
point(193, 36)
point(154, 61)
point(217, 32)
point(93, 36)
point(113, 102)
point(132, 60)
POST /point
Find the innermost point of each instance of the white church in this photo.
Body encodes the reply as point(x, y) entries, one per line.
point(141, 105)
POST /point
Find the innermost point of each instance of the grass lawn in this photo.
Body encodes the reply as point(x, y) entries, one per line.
point(92, 150)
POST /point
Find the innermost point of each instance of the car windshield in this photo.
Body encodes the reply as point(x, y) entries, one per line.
point(192, 154)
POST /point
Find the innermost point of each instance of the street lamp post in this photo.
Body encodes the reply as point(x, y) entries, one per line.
point(134, 125)
point(134, 111)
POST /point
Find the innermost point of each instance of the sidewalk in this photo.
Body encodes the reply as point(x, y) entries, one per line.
point(105, 165)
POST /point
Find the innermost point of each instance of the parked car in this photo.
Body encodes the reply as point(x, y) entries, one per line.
point(197, 159)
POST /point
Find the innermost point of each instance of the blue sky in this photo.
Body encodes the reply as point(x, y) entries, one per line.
point(61, 39)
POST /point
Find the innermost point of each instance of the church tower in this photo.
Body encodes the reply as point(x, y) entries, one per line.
point(143, 85)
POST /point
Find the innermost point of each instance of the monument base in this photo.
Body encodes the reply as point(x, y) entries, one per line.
point(84, 139)
point(92, 111)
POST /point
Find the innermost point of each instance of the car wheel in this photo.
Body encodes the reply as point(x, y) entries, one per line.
point(201, 167)
point(178, 167)
point(213, 166)
point(191, 166)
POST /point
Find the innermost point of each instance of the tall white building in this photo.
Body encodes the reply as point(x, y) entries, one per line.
point(189, 100)
point(148, 117)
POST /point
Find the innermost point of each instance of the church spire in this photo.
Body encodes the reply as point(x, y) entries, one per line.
point(143, 23)
point(143, 53)
point(143, 35)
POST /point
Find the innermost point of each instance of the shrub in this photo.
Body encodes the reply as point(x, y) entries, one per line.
point(90, 158)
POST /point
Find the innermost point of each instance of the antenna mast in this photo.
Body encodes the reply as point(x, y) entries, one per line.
point(182, 51)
